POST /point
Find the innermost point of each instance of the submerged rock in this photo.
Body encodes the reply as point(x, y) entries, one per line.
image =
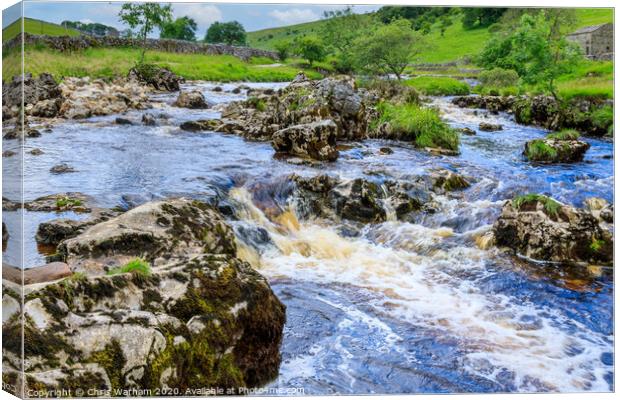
point(467, 131)
point(315, 140)
point(200, 318)
point(62, 169)
point(123, 121)
point(488, 127)
point(148, 119)
point(36, 152)
point(191, 99)
point(538, 227)
point(8, 153)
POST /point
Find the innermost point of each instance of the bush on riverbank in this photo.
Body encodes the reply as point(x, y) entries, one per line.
point(109, 63)
point(438, 86)
point(420, 124)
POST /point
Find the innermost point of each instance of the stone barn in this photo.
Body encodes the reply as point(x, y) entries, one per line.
point(597, 41)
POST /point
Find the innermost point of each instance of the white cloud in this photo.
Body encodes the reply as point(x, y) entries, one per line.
point(86, 21)
point(295, 15)
point(203, 14)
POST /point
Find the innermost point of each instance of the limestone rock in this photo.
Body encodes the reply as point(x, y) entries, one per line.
point(488, 127)
point(542, 229)
point(159, 78)
point(191, 99)
point(315, 140)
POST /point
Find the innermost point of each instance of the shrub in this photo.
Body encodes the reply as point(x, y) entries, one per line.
point(438, 86)
point(565, 134)
point(498, 78)
point(538, 150)
point(137, 265)
point(551, 206)
point(420, 124)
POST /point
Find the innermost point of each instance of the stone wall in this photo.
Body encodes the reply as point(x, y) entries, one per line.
point(71, 43)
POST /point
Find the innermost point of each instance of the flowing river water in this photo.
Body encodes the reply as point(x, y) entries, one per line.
point(394, 307)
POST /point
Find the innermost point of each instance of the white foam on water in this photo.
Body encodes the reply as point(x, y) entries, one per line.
point(436, 287)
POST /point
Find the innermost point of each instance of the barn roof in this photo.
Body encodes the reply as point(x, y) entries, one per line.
point(587, 29)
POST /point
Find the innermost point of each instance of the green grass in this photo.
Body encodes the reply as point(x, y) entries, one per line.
point(438, 85)
point(112, 62)
point(551, 206)
point(565, 134)
point(67, 202)
point(590, 79)
point(36, 27)
point(538, 150)
point(594, 16)
point(137, 265)
point(422, 125)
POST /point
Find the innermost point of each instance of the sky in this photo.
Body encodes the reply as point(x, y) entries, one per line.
point(251, 16)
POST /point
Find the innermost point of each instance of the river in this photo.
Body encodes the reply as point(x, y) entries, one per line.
point(394, 307)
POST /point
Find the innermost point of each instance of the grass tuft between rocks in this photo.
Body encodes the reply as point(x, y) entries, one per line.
point(137, 265)
point(552, 207)
point(566, 134)
point(422, 125)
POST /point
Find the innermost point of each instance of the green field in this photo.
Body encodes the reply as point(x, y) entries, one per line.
point(113, 62)
point(36, 27)
point(455, 45)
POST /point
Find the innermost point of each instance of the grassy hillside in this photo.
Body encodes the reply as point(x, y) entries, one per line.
point(455, 44)
point(36, 27)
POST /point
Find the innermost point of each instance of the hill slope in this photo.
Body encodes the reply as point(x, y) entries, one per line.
point(36, 27)
point(455, 44)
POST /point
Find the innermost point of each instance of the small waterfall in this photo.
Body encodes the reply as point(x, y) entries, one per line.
point(390, 212)
point(426, 277)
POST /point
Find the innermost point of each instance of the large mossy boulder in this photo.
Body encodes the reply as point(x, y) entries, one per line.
point(560, 147)
point(540, 228)
point(316, 140)
point(197, 318)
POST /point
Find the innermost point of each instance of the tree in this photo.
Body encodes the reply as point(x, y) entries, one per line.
point(474, 17)
point(311, 48)
point(283, 47)
point(183, 28)
point(145, 17)
point(231, 33)
point(535, 50)
point(389, 49)
point(340, 29)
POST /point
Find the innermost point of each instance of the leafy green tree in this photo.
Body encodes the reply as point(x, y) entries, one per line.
point(231, 33)
point(535, 50)
point(183, 28)
point(283, 47)
point(389, 49)
point(340, 29)
point(145, 17)
point(474, 17)
point(311, 48)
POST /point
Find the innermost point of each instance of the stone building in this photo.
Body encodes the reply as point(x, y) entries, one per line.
point(597, 41)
